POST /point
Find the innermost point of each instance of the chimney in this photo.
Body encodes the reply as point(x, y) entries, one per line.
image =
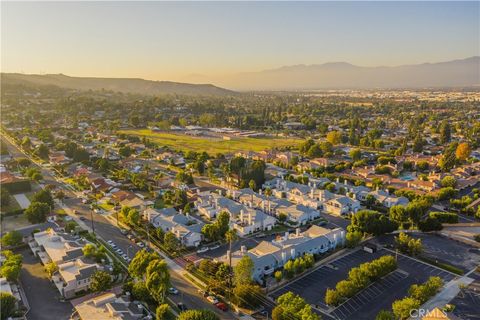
point(180, 211)
point(286, 235)
point(250, 218)
point(241, 215)
point(297, 232)
point(243, 249)
point(260, 191)
point(284, 256)
point(338, 180)
point(292, 253)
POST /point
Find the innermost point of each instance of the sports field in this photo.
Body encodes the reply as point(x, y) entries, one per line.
point(213, 145)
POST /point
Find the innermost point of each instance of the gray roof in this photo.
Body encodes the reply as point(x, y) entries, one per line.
point(86, 272)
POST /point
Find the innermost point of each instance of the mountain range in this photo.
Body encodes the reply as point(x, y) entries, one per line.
point(342, 75)
point(336, 75)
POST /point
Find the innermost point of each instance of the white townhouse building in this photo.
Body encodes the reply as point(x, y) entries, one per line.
point(270, 256)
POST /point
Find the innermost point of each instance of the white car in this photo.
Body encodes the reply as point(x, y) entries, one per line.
point(140, 244)
point(125, 257)
point(212, 299)
point(202, 250)
point(172, 290)
point(119, 251)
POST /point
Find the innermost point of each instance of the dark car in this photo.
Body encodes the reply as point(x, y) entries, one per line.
point(181, 306)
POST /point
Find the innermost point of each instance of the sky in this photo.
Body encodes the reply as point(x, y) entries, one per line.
point(174, 40)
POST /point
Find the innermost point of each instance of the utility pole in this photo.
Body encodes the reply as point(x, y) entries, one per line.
point(91, 219)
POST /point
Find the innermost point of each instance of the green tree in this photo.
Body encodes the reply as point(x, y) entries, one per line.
point(157, 279)
point(163, 312)
point(248, 295)
point(51, 268)
point(355, 154)
point(402, 308)
point(198, 315)
point(334, 137)
point(448, 181)
point(138, 266)
point(278, 275)
point(4, 197)
point(12, 238)
point(37, 212)
point(399, 215)
point(43, 151)
point(353, 238)
point(448, 159)
point(171, 242)
point(293, 307)
point(100, 281)
point(243, 271)
point(44, 196)
point(385, 315)
point(445, 132)
point(407, 244)
point(7, 305)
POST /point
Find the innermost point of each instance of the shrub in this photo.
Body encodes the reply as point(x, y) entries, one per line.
point(444, 217)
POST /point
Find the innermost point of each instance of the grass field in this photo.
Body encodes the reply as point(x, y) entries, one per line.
point(212, 146)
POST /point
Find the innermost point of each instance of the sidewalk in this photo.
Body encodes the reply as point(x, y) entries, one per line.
point(449, 292)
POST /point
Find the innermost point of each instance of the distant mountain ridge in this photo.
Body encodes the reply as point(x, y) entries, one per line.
point(343, 75)
point(130, 85)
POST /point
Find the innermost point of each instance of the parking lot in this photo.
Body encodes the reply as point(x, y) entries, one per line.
point(467, 302)
point(367, 303)
point(444, 250)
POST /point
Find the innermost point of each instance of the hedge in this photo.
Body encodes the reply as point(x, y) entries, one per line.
point(444, 217)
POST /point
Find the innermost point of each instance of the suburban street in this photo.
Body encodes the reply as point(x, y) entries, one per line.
point(107, 230)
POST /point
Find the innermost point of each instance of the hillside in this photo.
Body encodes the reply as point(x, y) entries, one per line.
point(126, 85)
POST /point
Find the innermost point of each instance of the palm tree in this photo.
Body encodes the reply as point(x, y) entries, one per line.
point(231, 236)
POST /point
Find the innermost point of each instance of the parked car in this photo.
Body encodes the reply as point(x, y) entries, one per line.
point(172, 290)
point(130, 236)
point(203, 293)
point(83, 218)
point(212, 299)
point(125, 257)
point(74, 211)
point(181, 306)
point(140, 244)
point(222, 306)
point(202, 250)
point(123, 231)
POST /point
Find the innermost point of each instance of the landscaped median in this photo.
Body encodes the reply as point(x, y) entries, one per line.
point(359, 278)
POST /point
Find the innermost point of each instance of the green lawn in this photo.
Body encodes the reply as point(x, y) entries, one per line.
point(212, 146)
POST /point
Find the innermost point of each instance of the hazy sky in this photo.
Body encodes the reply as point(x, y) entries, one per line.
point(167, 40)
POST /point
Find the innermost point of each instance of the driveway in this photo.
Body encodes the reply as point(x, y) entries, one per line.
point(42, 295)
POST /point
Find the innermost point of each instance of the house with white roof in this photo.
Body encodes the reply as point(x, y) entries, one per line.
point(186, 229)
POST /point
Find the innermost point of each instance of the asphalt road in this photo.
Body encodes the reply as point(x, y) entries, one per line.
point(107, 231)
